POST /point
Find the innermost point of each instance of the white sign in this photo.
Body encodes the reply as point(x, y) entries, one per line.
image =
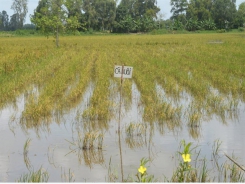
point(127, 71)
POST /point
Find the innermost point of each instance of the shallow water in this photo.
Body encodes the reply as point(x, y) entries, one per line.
point(55, 147)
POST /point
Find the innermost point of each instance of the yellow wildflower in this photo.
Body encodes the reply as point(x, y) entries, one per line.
point(186, 157)
point(142, 169)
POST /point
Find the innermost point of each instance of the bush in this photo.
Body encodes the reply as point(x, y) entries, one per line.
point(159, 31)
point(221, 31)
point(241, 29)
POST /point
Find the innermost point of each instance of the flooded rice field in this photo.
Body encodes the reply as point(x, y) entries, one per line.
point(56, 147)
point(64, 115)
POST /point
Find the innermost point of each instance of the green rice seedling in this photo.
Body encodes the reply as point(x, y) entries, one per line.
point(34, 176)
point(204, 172)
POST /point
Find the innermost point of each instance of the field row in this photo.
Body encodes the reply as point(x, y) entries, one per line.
point(180, 78)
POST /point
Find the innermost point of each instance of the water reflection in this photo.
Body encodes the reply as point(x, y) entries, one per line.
point(195, 132)
point(93, 156)
point(136, 135)
point(89, 146)
point(25, 154)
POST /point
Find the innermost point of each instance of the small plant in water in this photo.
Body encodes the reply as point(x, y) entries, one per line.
point(136, 129)
point(183, 172)
point(91, 138)
point(142, 175)
point(38, 176)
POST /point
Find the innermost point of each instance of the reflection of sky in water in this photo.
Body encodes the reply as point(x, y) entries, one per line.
point(51, 149)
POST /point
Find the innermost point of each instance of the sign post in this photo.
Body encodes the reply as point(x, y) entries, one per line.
point(122, 72)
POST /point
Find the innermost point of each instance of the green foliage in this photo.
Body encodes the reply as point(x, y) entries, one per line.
point(240, 18)
point(178, 8)
point(241, 29)
point(142, 175)
point(192, 25)
point(199, 10)
point(4, 21)
point(206, 14)
point(221, 31)
point(178, 25)
point(136, 16)
point(52, 17)
point(224, 11)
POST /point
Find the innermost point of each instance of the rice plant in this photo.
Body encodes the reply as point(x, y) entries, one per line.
point(34, 176)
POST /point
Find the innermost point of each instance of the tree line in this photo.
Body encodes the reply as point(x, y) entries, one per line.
point(124, 16)
point(207, 14)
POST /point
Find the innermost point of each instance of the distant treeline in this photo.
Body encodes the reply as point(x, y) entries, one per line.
point(134, 15)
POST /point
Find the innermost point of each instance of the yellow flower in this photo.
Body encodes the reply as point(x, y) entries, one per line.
point(142, 169)
point(186, 157)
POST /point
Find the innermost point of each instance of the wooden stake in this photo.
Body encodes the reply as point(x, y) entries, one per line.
point(119, 122)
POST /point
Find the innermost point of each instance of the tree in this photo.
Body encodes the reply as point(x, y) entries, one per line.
point(20, 8)
point(4, 20)
point(178, 8)
point(199, 10)
point(136, 15)
point(14, 22)
point(147, 24)
point(159, 19)
point(105, 13)
point(192, 24)
point(90, 13)
point(42, 4)
point(124, 9)
point(53, 18)
point(128, 24)
point(147, 8)
point(240, 19)
point(74, 7)
point(223, 13)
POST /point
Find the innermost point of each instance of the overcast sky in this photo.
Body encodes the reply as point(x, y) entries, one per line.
point(32, 4)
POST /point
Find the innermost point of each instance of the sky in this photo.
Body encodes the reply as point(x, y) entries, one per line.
point(32, 4)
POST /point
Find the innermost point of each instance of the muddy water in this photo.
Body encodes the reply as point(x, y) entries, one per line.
point(55, 147)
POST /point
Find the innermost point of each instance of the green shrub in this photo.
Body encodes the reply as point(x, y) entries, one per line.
point(221, 31)
point(241, 29)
